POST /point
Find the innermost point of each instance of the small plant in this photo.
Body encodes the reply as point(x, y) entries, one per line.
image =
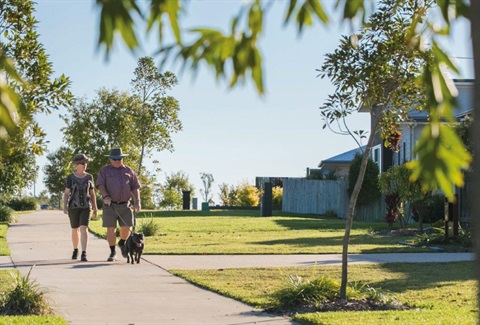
point(149, 227)
point(319, 293)
point(300, 291)
point(25, 298)
point(464, 239)
point(7, 214)
point(23, 204)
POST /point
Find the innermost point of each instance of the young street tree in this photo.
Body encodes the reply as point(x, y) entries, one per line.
point(157, 115)
point(378, 74)
point(207, 180)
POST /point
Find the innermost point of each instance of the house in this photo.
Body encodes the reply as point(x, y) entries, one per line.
point(410, 130)
point(340, 164)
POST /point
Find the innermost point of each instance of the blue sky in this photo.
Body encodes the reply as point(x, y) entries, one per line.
point(233, 134)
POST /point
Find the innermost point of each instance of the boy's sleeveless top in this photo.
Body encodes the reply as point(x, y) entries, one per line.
point(80, 191)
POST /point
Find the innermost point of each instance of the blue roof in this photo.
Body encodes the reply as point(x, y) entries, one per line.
point(345, 157)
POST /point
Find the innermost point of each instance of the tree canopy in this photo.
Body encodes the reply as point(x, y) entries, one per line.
point(29, 86)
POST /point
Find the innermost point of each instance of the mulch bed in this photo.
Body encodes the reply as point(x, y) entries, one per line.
point(340, 305)
point(440, 247)
point(398, 232)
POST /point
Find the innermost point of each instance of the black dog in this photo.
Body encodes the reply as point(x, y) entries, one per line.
point(134, 246)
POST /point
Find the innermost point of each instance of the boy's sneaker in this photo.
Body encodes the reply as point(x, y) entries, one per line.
point(112, 257)
point(84, 257)
point(75, 254)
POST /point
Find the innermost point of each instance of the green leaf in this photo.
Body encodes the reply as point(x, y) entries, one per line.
point(352, 7)
point(255, 19)
point(291, 8)
point(157, 10)
point(318, 10)
point(115, 17)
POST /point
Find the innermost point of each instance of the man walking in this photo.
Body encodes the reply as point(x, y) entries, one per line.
point(117, 184)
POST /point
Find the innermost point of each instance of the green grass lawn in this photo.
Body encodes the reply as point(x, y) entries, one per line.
point(444, 293)
point(245, 232)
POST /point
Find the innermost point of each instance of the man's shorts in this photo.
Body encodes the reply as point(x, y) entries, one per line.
point(124, 215)
point(79, 217)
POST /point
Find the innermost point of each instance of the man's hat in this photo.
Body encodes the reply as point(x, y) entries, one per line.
point(80, 158)
point(116, 153)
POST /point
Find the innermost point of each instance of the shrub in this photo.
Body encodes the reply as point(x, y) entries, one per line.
point(25, 298)
point(370, 192)
point(428, 210)
point(149, 227)
point(464, 239)
point(7, 214)
point(277, 196)
point(228, 194)
point(23, 204)
point(248, 195)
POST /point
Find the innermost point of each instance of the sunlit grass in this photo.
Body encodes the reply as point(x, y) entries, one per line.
point(245, 232)
point(4, 250)
point(444, 293)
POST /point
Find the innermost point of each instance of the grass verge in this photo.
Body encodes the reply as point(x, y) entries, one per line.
point(4, 250)
point(443, 293)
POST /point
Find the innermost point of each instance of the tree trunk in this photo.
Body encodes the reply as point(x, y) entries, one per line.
point(475, 135)
point(140, 160)
point(353, 201)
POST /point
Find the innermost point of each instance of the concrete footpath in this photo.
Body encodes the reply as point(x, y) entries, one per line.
point(101, 292)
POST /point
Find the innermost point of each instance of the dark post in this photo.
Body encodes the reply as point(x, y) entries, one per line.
point(186, 200)
point(455, 217)
point(452, 215)
point(446, 209)
point(266, 203)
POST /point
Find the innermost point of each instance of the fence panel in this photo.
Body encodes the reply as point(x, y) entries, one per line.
point(307, 196)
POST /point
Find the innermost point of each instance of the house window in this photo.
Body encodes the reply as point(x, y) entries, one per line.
point(376, 156)
point(398, 158)
point(404, 152)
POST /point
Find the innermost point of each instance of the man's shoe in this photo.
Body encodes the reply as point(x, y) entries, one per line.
point(123, 249)
point(75, 254)
point(112, 257)
point(84, 257)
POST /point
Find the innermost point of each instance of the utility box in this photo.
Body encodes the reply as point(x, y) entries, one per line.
point(186, 200)
point(266, 201)
point(195, 203)
point(205, 206)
